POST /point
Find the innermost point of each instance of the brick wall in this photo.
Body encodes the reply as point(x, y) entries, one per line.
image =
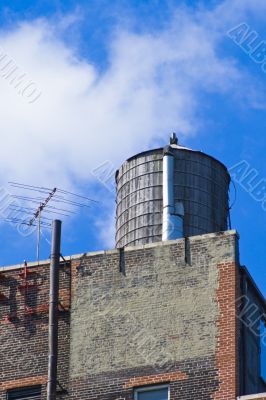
point(227, 356)
point(169, 317)
point(24, 328)
point(160, 313)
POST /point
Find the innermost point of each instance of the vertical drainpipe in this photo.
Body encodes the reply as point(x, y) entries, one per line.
point(53, 311)
point(173, 213)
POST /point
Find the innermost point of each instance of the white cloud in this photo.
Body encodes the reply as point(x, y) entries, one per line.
point(84, 116)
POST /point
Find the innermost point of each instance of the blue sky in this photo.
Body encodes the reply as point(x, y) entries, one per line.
point(116, 78)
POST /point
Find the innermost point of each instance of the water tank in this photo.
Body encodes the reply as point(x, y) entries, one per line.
point(200, 184)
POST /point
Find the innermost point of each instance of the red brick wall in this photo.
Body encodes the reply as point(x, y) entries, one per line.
point(227, 344)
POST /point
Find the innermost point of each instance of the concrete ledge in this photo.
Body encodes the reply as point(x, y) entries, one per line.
point(261, 396)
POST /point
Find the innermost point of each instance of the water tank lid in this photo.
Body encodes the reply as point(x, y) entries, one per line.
point(173, 146)
point(160, 150)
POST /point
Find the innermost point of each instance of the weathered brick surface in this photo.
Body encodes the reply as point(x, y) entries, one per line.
point(22, 382)
point(153, 379)
point(161, 313)
point(228, 327)
point(24, 336)
point(197, 381)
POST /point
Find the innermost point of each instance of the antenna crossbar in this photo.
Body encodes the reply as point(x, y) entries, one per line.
point(42, 206)
point(50, 205)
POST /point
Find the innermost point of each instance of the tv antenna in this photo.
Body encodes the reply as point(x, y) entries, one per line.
point(49, 201)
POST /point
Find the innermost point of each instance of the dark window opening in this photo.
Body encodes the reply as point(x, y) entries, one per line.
point(159, 392)
point(25, 393)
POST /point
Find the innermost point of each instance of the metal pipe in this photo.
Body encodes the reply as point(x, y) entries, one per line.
point(173, 213)
point(53, 311)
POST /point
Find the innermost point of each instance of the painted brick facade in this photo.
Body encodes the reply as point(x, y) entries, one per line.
point(159, 313)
